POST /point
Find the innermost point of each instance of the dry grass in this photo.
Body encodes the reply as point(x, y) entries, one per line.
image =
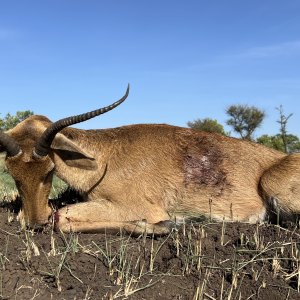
point(134, 266)
point(200, 261)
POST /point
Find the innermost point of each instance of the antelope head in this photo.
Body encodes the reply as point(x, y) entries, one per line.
point(29, 147)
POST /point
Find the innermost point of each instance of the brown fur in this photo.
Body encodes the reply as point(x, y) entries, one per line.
point(138, 177)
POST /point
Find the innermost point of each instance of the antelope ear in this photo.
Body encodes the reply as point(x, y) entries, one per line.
point(71, 154)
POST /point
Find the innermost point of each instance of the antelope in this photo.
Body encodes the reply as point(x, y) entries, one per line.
point(143, 178)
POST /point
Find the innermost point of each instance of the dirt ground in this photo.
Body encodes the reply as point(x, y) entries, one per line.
point(199, 261)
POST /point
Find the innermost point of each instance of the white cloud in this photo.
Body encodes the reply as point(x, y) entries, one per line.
point(282, 49)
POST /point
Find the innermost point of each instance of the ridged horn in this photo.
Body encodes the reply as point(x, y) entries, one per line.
point(9, 144)
point(43, 145)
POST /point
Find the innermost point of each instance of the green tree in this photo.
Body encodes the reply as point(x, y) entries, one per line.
point(271, 141)
point(244, 119)
point(293, 143)
point(10, 121)
point(208, 125)
point(276, 142)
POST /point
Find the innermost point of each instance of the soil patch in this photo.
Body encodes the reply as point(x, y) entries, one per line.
point(199, 261)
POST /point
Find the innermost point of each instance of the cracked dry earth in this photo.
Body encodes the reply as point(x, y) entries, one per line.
point(199, 261)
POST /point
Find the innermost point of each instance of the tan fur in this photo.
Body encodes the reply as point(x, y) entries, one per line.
point(137, 176)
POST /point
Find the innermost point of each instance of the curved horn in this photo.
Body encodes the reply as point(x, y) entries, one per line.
point(43, 145)
point(9, 144)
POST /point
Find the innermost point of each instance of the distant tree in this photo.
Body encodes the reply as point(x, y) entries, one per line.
point(292, 143)
point(271, 141)
point(208, 125)
point(283, 123)
point(276, 142)
point(244, 119)
point(10, 121)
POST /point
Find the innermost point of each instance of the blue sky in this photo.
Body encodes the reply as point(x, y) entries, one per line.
point(184, 59)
